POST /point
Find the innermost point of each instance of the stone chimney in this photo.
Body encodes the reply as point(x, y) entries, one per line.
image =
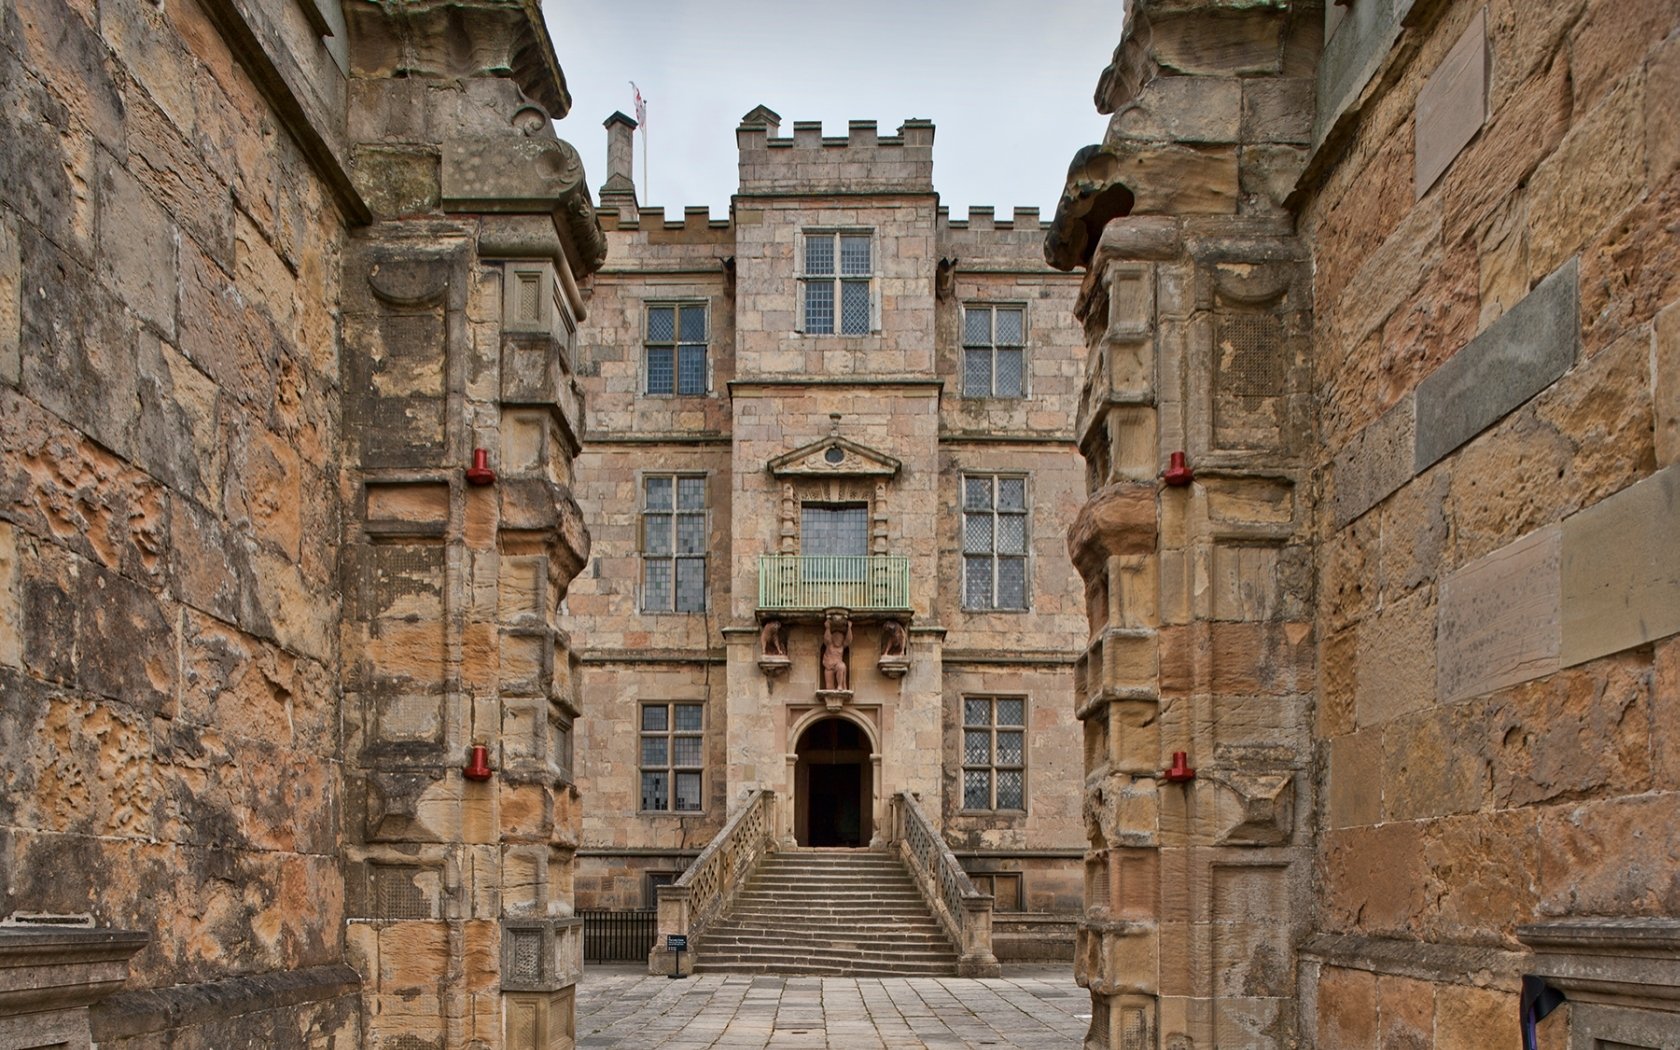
point(621, 157)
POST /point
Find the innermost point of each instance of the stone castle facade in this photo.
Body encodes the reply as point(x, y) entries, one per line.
point(1399, 279)
point(396, 558)
point(837, 401)
point(273, 277)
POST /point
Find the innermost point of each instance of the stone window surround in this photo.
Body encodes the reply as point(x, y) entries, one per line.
point(672, 556)
point(837, 278)
point(675, 303)
point(993, 727)
point(964, 347)
point(671, 767)
point(1026, 544)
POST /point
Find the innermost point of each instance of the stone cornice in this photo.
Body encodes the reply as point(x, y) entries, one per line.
point(422, 38)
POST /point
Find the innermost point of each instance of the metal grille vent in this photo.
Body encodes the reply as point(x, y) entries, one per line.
point(397, 896)
point(1251, 355)
point(527, 955)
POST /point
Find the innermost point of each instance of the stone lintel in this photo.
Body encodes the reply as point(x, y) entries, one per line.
point(1621, 961)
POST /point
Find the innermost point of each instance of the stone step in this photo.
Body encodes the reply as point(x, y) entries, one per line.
point(840, 912)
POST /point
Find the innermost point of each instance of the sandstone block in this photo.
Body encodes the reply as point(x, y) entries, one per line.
point(1396, 660)
point(1182, 109)
point(1375, 463)
point(1405, 1013)
point(1581, 733)
point(1515, 358)
point(1662, 122)
point(1434, 763)
point(11, 285)
point(136, 246)
point(1374, 879)
point(1665, 383)
point(1465, 1017)
point(1242, 41)
point(1621, 569)
point(1390, 274)
point(1452, 105)
point(1277, 110)
point(1595, 173)
point(1355, 779)
point(1347, 1009)
point(1501, 617)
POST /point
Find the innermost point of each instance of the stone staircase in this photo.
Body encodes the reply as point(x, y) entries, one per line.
point(833, 912)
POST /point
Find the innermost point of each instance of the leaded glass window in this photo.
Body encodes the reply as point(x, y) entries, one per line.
point(676, 349)
point(994, 540)
point(672, 759)
point(674, 543)
point(994, 752)
point(837, 282)
point(994, 351)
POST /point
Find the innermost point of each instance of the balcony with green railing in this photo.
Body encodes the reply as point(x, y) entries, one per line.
point(789, 583)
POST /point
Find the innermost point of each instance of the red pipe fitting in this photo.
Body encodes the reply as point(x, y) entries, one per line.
point(1178, 472)
point(1179, 772)
point(480, 473)
point(478, 764)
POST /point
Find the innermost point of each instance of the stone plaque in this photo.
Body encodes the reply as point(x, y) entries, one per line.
point(1452, 106)
point(1518, 356)
point(1621, 569)
point(1500, 618)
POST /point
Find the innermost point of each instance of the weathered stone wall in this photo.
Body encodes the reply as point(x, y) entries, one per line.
point(169, 665)
point(1486, 194)
point(1197, 308)
point(253, 612)
point(1492, 223)
point(461, 308)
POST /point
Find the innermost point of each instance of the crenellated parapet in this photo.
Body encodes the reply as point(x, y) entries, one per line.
point(811, 163)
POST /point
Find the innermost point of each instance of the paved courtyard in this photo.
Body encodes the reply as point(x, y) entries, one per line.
point(1038, 1008)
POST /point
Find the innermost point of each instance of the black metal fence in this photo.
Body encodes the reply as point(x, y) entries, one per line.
point(618, 936)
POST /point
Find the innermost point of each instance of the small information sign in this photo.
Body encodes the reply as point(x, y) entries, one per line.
point(676, 942)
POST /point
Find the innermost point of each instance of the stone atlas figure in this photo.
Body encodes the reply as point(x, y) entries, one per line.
point(837, 638)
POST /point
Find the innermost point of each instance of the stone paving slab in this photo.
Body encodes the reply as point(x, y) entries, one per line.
point(1029, 1008)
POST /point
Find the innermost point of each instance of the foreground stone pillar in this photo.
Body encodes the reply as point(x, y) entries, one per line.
point(1196, 312)
point(461, 304)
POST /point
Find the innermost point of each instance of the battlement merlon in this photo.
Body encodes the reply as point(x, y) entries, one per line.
point(811, 163)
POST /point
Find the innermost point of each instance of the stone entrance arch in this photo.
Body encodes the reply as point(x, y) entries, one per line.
point(834, 784)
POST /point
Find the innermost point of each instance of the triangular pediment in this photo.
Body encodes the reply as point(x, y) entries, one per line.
point(834, 457)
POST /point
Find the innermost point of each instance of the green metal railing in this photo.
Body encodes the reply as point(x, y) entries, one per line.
point(804, 582)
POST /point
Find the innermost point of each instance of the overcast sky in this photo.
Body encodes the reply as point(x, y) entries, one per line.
point(1007, 82)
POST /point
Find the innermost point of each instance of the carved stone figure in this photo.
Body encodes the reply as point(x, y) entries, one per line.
point(837, 639)
point(893, 639)
point(770, 639)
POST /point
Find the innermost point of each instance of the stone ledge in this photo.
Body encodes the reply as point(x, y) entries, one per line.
point(58, 968)
point(1455, 963)
point(1623, 961)
point(137, 1013)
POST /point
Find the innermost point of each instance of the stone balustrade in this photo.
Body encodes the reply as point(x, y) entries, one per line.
point(964, 911)
point(703, 892)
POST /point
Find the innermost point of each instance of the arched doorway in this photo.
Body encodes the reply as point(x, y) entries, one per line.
point(833, 785)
